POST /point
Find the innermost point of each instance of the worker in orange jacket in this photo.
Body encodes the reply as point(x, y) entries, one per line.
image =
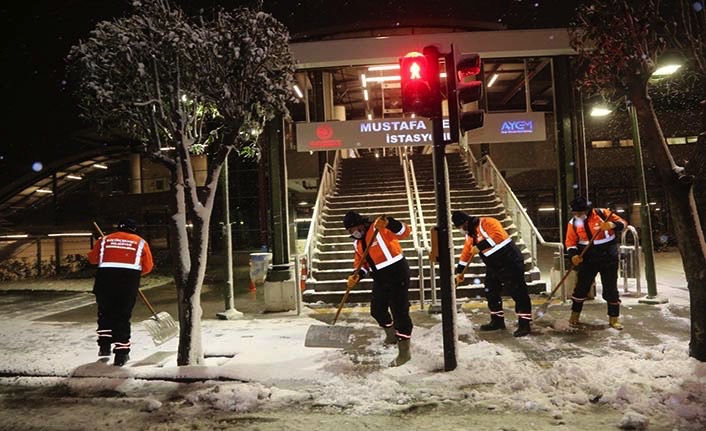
point(602, 257)
point(504, 264)
point(122, 258)
point(390, 272)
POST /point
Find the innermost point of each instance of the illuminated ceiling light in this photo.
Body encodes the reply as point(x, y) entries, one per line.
point(414, 115)
point(74, 177)
point(370, 116)
point(71, 234)
point(302, 203)
point(99, 166)
point(666, 70)
point(547, 209)
point(377, 155)
point(383, 78)
point(442, 75)
point(43, 191)
point(363, 80)
point(492, 80)
point(22, 235)
point(384, 67)
point(167, 148)
point(298, 91)
point(365, 94)
point(598, 111)
point(184, 98)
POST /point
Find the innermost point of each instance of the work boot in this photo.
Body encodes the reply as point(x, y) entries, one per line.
point(523, 328)
point(615, 323)
point(121, 358)
point(404, 354)
point(496, 322)
point(574, 319)
point(104, 351)
point(390, 335)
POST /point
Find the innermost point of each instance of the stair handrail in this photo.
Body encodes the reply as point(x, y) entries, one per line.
point(488, 175)
point(406, 165)
point(426, 246)
point(326, 185)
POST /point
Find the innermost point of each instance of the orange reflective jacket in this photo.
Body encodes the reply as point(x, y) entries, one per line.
point(576, 234)
point(385, 249)
point(122, 250)
point(490, 236)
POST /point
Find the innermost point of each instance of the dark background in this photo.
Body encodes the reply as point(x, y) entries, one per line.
point(40, 121)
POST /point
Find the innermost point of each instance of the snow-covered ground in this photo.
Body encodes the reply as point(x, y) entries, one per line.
point(640, 378)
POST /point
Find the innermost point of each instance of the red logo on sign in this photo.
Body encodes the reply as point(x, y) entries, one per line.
point(324, 132)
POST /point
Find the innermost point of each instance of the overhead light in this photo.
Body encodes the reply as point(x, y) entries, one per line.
point(384, 67)
point(302, 203)
point(598, 111)
point(492, 80)
point(71, 234)
point(363, 80)
point(365, 94)
point(383, 78)
point(666, 70)
point(74, 177)
point(442, 75)
point(167, 148)
point(298, 91)
point(547, 209)
point(44, 191)
point(99, 166)
point(16, 236)
point(370, 116)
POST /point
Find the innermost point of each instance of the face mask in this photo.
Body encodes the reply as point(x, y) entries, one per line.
point(357, 234)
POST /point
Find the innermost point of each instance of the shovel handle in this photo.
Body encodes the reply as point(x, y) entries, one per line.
point(463, 272)
point(357, 270)
point(139, 292)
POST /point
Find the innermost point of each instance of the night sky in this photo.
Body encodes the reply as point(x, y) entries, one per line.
point(39, 116)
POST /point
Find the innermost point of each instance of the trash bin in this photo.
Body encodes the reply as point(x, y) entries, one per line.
point(258, 266)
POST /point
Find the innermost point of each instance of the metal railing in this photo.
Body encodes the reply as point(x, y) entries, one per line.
point(326, 186)
point(414, 214)
point(631, 260)
point(425, 245)
point(488, 176)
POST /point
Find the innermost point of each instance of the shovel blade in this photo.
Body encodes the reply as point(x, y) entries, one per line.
point(161, 327)
point(328, 336)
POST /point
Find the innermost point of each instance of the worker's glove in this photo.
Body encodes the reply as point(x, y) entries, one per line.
point(353, 280)
point(474, 251)
point(381, 223)
point(459, 278)
point(576, 260)
point(607, 225)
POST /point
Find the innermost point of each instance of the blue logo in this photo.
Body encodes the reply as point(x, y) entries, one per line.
point(520, 126)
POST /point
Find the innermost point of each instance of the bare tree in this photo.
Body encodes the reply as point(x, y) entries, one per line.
point(619, 43)
point(183, 86)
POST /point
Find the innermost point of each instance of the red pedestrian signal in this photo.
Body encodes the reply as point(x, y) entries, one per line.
point(419, 83)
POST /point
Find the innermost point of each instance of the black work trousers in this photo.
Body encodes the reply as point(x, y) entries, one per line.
point(506, 268)
point(391, 295)
point(116, 292)
point(587, 271)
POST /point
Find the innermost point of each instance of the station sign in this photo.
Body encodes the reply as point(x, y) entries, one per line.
point(400, 132)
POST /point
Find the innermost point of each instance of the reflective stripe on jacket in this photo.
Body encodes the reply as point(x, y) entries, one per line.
point(576, 234)
point(490, 236)
point(122, 250)
point(385, 249)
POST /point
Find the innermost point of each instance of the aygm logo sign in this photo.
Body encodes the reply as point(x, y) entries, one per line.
point(519, 126)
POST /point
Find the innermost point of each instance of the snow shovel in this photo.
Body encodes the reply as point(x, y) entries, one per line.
point(542, 309)
point(161, 326)
point(335, 336)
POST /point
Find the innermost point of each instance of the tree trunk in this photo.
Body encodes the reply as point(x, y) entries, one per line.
point(683, 210)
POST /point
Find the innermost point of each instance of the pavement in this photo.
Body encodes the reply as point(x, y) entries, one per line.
point(70, 301)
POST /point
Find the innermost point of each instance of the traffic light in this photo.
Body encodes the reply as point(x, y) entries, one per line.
point(419, 83)
point(463, 89)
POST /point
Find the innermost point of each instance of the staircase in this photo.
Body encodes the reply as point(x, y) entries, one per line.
point(373, 186)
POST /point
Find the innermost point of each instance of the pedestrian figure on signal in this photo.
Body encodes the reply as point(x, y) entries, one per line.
point(602, 257)
point(505, 266)
point(122, 258)
point(390, 272)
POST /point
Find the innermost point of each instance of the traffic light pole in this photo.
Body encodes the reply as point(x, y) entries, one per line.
point(448, 293)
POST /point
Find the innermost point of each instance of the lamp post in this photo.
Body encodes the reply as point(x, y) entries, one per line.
point(646, 237)
point(230, 311)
